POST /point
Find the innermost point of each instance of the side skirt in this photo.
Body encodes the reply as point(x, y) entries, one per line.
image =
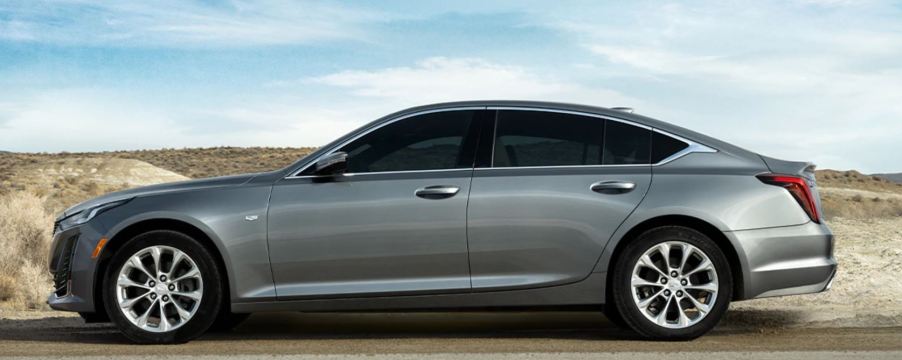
point(587, 293)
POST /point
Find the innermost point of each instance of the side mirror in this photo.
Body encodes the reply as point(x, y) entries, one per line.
point(334, 164)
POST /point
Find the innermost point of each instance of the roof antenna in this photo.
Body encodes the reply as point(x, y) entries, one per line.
point(624, 109)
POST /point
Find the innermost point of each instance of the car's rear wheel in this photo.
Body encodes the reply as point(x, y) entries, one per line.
point(162, 287)
point(672, 283)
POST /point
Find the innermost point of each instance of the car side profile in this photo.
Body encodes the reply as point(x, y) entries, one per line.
point(466, 205)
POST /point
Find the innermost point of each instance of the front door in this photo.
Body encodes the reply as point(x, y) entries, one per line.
point(394, 223)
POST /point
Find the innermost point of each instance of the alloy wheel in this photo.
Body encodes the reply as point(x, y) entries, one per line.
point(159, 288)
point(674, 284)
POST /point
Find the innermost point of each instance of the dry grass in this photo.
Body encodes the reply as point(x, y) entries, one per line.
point(24, 244)
point(853, 195)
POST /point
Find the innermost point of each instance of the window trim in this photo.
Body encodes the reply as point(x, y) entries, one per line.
point(694, 147)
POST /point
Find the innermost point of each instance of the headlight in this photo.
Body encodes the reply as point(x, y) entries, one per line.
point(88, 214)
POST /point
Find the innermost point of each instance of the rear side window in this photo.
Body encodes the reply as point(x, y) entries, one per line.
point(663, 146)
point(538, 138)
point(426, 142)
point(626, 144)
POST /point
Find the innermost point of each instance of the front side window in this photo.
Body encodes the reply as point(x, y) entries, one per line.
point(425, 142)
point(538, 138)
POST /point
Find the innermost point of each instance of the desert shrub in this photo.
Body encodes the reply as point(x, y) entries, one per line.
point(25, 235)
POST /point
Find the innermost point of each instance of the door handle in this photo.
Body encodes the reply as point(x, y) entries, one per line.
point(435, 192)
point(612, 187)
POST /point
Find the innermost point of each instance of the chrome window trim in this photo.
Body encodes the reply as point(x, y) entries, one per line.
point(570, 112)
point(382, 173)
point(562, 167)
point(693, 147)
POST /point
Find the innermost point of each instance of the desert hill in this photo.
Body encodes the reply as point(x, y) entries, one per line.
point(896, 177)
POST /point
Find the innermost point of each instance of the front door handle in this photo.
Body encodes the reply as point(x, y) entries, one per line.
point(435, 192)
point(612, 187)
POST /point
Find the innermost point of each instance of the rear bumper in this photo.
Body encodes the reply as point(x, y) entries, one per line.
point(786, 260)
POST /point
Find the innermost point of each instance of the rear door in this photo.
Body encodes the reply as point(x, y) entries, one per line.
point(558, 186)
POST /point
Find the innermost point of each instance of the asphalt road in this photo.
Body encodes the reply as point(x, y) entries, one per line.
point(570, 335)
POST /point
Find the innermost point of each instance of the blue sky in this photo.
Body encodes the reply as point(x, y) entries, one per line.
point(817, 80)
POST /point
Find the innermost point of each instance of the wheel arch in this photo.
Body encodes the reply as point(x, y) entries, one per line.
point(126, 232)
point(720, 238)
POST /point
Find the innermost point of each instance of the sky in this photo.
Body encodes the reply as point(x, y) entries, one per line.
point(812, 80)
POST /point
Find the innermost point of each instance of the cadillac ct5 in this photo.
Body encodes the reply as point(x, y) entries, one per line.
point(467, 205)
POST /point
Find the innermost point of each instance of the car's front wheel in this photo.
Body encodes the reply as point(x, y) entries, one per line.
point(162, 287)
point(672, 283)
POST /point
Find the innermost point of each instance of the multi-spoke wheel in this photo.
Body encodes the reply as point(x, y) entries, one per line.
point(162, 287)
point(159, 288)
point(671, 283)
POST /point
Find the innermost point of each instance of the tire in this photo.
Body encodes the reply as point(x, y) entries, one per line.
point(180, 291)
point(666, 296)
point(613, 315)
point(227, 321)
point(94, 318)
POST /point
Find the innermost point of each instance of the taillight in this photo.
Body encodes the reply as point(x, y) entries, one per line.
point(799, 190)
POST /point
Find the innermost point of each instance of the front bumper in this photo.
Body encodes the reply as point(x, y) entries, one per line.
point(73, 269)
point(787, 260)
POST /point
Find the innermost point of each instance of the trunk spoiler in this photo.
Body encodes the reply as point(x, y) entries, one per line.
point(800, 168)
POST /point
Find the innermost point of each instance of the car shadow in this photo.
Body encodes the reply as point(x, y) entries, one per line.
point(363, 326)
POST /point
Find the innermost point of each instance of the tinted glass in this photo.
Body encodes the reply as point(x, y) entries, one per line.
point(425, 142)
point(536, 138)
point(662, 146)
point(626, 144)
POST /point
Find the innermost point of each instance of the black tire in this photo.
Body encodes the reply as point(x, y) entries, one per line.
point(610, 312)
point(622, 288)
point(227, 321)
point(94, 318)
point(210, 303)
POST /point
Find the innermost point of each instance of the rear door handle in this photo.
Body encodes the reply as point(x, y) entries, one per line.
point(612, 187)
point(435, 192)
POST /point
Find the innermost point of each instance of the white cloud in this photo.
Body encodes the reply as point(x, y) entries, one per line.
point(440, 79)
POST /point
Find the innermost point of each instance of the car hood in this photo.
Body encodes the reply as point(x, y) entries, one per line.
point(189, 185)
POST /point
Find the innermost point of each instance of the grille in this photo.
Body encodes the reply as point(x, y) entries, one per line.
point(64, 267)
